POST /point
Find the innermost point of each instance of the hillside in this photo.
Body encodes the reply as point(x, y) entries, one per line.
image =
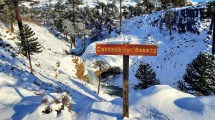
point(174, 51)
point(26, 96)
point(92, 3)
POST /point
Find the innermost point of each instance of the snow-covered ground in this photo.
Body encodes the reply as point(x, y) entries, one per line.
point(174, 51)
point(22, 94)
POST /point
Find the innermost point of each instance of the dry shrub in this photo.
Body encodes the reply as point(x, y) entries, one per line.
point(53, 68)
point(38, 65)
point(98, 73)
point(58, 63)
point(75, 60)
point(56, 75)
point(66, 52)
point(65, 100)
point(47, 110)
point(80, 69)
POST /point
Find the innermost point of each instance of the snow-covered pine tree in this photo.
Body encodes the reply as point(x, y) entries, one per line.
point(101, 65)
point(28, 43)
point(200, 75)
point(125, 12)
point(69, 28)
point(146, 76)
point(169, 20)
point(149, 6)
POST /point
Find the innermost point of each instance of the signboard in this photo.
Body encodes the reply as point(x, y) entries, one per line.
point(126, 49)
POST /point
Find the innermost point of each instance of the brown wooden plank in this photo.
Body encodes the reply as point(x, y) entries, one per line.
point(125, 86)
point(126, 49)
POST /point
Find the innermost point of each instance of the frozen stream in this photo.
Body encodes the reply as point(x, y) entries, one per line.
point(105, 87)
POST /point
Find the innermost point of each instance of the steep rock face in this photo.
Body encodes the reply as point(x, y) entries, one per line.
point(181, 20)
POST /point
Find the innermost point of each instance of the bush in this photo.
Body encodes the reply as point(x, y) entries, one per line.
point(146, 76)
point(56, 104)
point(80, 69)
point(199, 76)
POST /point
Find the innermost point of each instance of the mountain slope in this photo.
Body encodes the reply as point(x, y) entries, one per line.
point(22, 94)
point(174, 51)
point(54, 73)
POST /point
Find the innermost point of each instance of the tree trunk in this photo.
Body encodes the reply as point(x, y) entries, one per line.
point(11, 27)
point(73, 10)
point(213, 44)
point(120, 10)
point(74, 41)
point(71, 41)
point(102, 10)
point(145, 78)
point(212, 22)
point(11, 21)
point(84, 43)
point(102, 14)
point(18, 18)
point(30, 64)
point(99, 80)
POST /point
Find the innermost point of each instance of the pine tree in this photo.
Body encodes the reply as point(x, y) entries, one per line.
point(17, 14)
point(7, 14)
point(149, 6)
point(101, 65)
point(169, 20)
point(138, 9)
point(200, 75)
point(28, 43)
point(69, 28)
point(165, 4)
point(125, 12)
point(146, 76)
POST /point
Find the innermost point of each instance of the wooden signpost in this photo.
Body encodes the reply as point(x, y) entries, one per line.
point(126, 50)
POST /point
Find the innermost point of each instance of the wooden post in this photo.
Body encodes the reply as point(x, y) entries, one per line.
point(125, 85)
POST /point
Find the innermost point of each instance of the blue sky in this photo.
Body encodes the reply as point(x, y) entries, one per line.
point(199, 0)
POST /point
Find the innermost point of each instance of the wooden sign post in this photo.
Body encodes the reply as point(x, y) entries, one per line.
point(126, 50)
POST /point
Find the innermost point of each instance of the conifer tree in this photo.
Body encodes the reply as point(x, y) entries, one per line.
point(200, 75)
point(7, 14)
point(15, 3)
point(101, 65)
point(28, 43)
point(165, 4)
point(180, 3)
point(149, 7)
point(169, 20)
point(146, 76)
